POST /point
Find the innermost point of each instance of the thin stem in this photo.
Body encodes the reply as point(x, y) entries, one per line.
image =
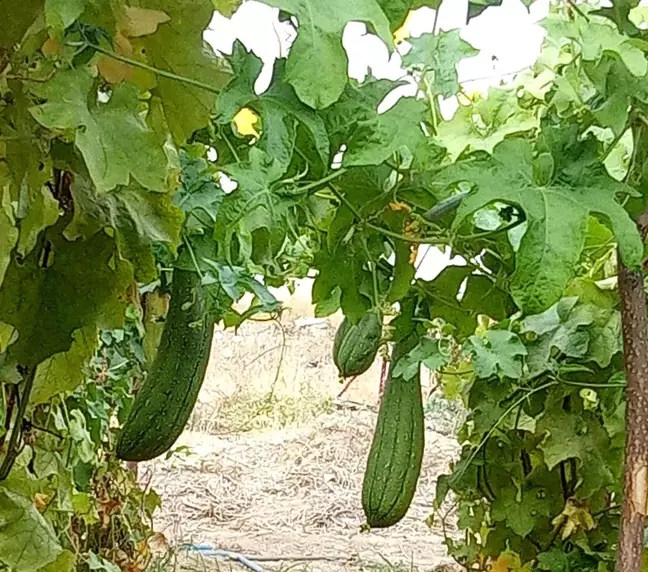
point(156, 71)
point(614, 143)
point(316, 185)
point(230, 146)
point(374, 278)
point(411, 239)
point(18, 138)
point(32, 79)
point(347, 203)
point(506, 228)
point(16, 432)
point(497, 423)
point(576, 9)
point(592, 385)
point(193, 256)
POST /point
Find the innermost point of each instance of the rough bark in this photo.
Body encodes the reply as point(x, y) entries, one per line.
point(635, 488)
point(635, 350)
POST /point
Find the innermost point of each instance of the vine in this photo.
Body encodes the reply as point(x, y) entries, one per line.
point(121, 160)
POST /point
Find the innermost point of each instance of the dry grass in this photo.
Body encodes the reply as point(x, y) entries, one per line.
point(277, 461)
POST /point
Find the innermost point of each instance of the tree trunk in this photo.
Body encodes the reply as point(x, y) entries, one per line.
point(635, 353)
point(635, 488)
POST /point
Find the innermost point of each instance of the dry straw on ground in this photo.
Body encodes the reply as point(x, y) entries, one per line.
point(277, 462)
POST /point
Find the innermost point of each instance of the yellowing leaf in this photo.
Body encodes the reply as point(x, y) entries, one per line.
point(66, 562)
point(510, 561)
point(113, 70)
point(6, 336)
point(575, 516)
point(51, 47)
point(502, 563)
point(41, 501)
point(142, 21)
point(413, 253)
point(398, 206)
point(156, 305)
point(179, 48)
point(246, 121)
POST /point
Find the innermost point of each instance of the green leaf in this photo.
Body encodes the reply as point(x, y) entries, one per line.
point(42, 211)
point(278, 107)
point(226, 7)
point(557, 216)
point(113, 138)
point(139, 217)
point(199, 194)
point(363, 188)
point(84, 286)
point(178, 47)
point(377, 140)
point(404, 272)
point(575, 434)
point(28, 175)
point(596, 39)
point(66, 562)
point(476, 7)
point(520, 510)
point(484, 124)
point(59, 14)
point(254, 207)
point(555, 560)
point(326, 306)
point(426, 352)
point(343, 272)
point(63, 372)
point(17, 18)
point(620, 14)
point(47, 461)
point(357, 106)
point(8, 233)
point(396, 11)
point(442, 298)
point(563, 326)
point(317, 64)
point(236, 281)
point(437, 56)
point(498, 351)
point(27, 541)
point(98, 563)
point(84, 446)
point(605, 336)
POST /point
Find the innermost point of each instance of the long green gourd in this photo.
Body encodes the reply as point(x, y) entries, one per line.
point(396, 454)
point(168, 395)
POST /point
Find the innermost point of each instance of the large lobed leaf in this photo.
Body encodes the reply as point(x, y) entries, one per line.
point(557, 215)
point(84, 286)
point(317, 64)
point(114, 140)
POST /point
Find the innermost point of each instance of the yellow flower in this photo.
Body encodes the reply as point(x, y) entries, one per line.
point(246, 122)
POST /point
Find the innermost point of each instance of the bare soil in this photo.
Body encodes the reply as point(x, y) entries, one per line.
point(275, 463)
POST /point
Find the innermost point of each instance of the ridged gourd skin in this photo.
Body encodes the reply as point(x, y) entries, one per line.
point(396, 454)
point(168, 395)
point(356, 345)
